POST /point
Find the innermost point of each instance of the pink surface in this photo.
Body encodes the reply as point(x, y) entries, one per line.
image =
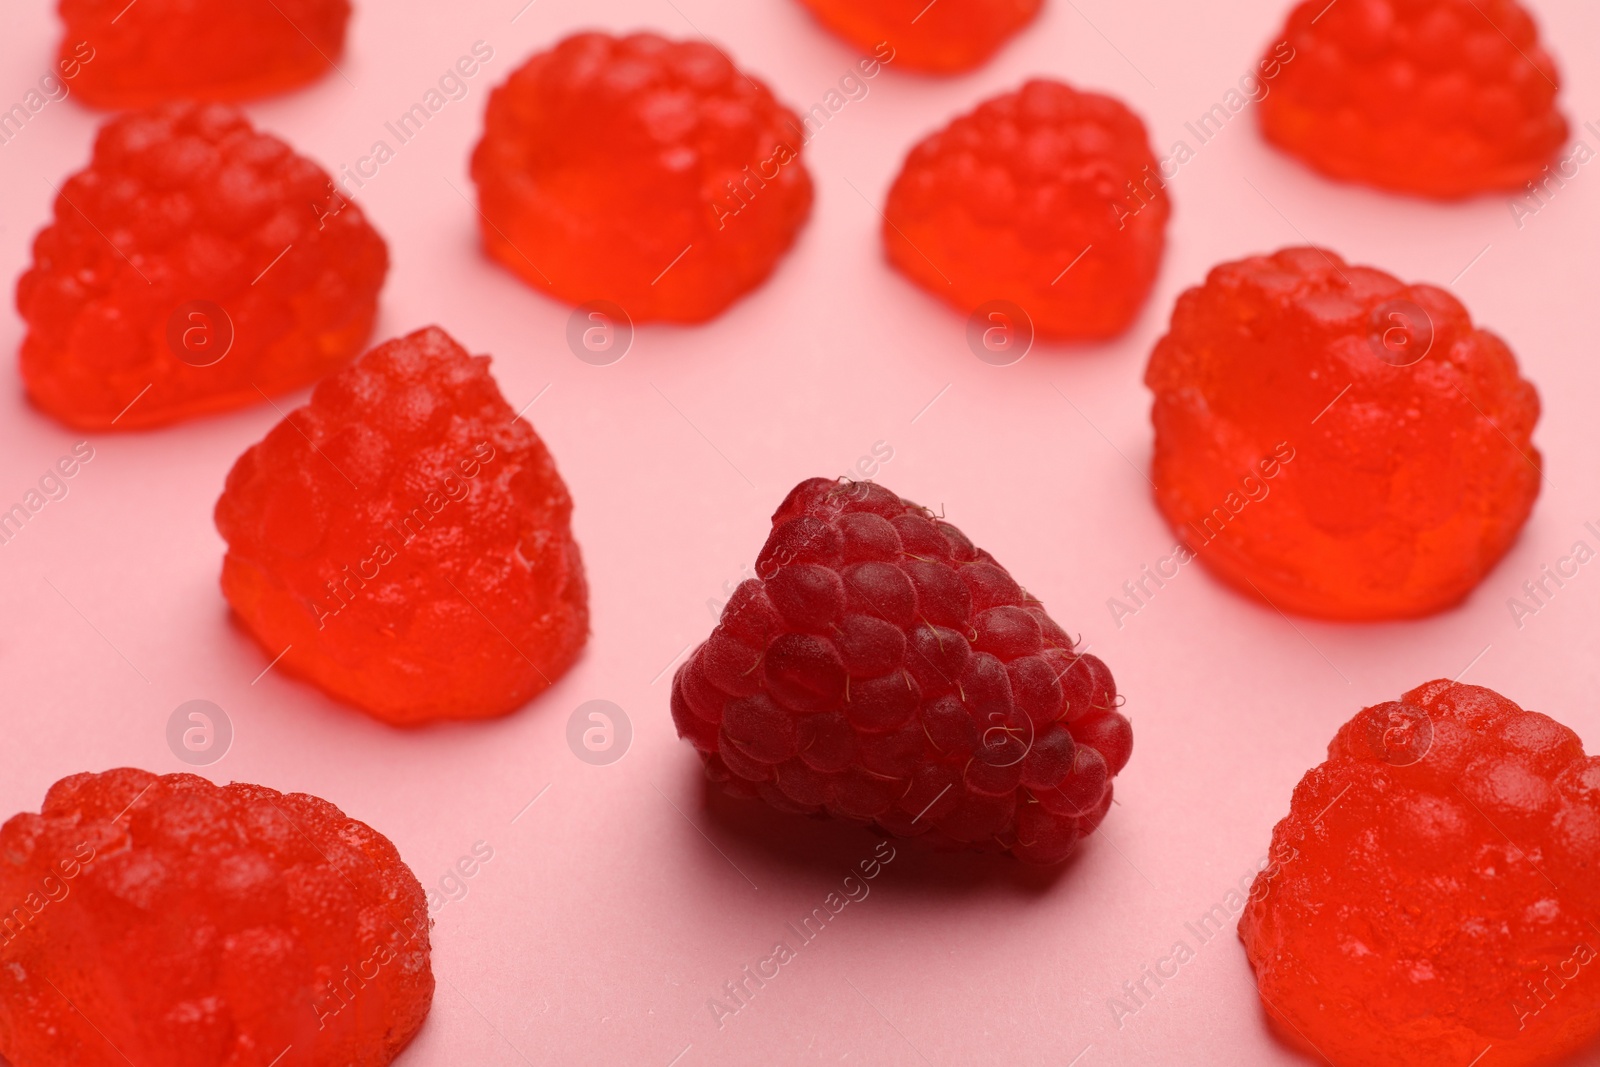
point(620, 902)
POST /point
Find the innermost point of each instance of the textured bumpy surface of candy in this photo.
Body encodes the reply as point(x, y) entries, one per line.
point(1432, 891)
point(167, 920)
point(408, 540)
point(1048, 198)
point(941, 38)
point(883, 670)
point(195, 265)
point(161, 50)
point(1445, 98)
point(1338, 442)
point(647, 172)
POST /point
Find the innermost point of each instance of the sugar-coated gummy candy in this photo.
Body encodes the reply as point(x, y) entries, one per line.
point(195, 265)
point(1047, 198)
point(169, 921)
point(1338, 442)
point(1432, 892)
point(404, 541)
point(650, 173)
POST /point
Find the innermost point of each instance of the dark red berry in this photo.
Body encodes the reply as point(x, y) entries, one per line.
point(884, 670)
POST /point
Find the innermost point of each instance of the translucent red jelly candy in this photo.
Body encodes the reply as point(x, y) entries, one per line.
point(1444, 98)
point(194, 266)
point(1431, 894)
point(650, 173)
point(885, 671)
point(941, 37)
point(405, 542)
point(1337, 441)
point(158, 50)
point(1046, 198)
point(165, 920)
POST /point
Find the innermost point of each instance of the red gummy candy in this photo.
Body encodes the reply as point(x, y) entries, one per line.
point(939, 38)
point(195, 265)
point(646, 172)
point(408, 540)
point(885, 671)
point(1337, 442)
point(126, 55)
point(1444, 98)
point(166, 920)
point(1047, 198)
point(1431, 892)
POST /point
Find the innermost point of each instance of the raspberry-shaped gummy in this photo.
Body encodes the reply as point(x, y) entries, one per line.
point(883, 670)
point(647, 172)
point(1444, 98)
point(1338, 442)
point(159, 50)
point(195, 265)
point(167, 920)
point(405, 542)
point(940, 38)
point(1432, 891)
point(1048, 198)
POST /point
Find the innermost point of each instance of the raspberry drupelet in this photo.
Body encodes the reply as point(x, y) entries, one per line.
point(647, 172)
point(1432, 890)
point(156, 51)
point(1337, 442)
point(194, 266)
point(167, 920)
point(408, 540)
point(1442, 98)
point(1048, 198)
point(943, 38)
point(885, 671)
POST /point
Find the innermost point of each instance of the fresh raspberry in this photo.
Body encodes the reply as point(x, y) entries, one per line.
point(159, 50)
point(166, 920)
point(647, 172)
point(180, 205)
point(408, 540)
point(1445, 98)
point(1046, 197)
point(940, 38)
point(885, 671)
point(1337, 442)
point(1433, 889)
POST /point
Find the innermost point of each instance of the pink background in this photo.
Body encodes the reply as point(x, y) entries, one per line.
point(620, 902)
